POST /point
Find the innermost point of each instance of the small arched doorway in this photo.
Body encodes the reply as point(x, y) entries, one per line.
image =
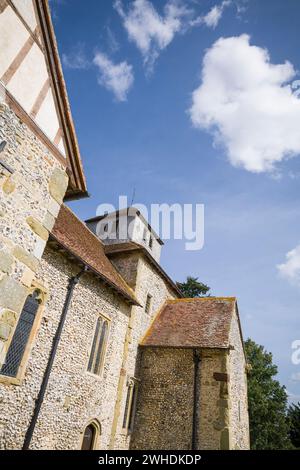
point(90, 436)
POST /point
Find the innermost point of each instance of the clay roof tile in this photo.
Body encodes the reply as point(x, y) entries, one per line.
point(200, 322)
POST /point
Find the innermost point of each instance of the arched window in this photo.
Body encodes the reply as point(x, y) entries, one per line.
point(98, 347)
point(90, 436)
point(130, 405)
point(150, 242)
point(21, 336)
point(148, 303)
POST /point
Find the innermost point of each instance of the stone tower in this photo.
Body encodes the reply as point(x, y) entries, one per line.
point(134, 249)
point(125, 226)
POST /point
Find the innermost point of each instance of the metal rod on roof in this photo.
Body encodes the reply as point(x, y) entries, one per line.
point(133, 197)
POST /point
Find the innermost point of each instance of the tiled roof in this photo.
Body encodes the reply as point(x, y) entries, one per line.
point(127, 247)
point(200, 322)
point(74, 236)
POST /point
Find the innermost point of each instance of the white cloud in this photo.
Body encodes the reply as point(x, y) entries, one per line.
point(113, 43)
point(290, 270)
point(76, 59)
point(150, 31)
point(245, 102)
point(117, 78)
point(212, 18)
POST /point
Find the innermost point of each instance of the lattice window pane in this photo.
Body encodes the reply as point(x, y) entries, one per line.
point(20, 338)
point(98, 347)
point(130, 405)
point(95, 341)
point(127, 406)
point(101, 347)
point(148, 303)
point(89, 438)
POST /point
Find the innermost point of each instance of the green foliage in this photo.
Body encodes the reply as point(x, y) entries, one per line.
point(269, 428)
point(193, 288)
point(294, 424)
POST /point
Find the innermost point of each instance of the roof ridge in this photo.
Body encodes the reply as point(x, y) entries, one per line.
point(191, 299)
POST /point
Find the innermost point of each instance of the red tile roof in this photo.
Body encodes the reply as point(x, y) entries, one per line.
point(74, 236)
point(200, 322)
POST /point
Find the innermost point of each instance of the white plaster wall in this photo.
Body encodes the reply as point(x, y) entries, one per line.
point(29, 79)
point(61, 146)
point(47, 117)
point(26, 10)
point(13, 36)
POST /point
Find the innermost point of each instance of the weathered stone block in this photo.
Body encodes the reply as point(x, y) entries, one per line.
point(9, 186)
point(37, 227)
point(219, 424)
point(2, 357)
point(8, 317)
point(26, 258)
point(39, 248)
point(53, 207)
point(221, 377)
point(223, 403)
point(58, 184)
point(27, 277)
point(224, 440)
point(12, 294)
point(5, 331)
point(6, 261)
point(49, 221)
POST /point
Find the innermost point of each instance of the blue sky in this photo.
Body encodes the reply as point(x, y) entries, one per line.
point(173, 99)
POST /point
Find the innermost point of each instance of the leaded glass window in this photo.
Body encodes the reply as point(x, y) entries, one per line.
point(21, 336)
point(98, 347)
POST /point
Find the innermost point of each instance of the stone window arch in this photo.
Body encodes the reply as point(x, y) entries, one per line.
point(148, 303)
point(150, 242)
point(91, 435)
point(98, 349)
point(21, 336)
point(130, 404)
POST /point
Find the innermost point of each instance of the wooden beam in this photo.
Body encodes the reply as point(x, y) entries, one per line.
point(8, 75)
point(58, 136)
point(21, 113)
point(3, 5)
point(40, 99)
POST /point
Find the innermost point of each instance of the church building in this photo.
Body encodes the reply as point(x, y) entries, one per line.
point(98, 347)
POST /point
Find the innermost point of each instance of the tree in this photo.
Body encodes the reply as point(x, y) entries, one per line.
point(294, 424)
point(193, 288)
point(267, 401)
